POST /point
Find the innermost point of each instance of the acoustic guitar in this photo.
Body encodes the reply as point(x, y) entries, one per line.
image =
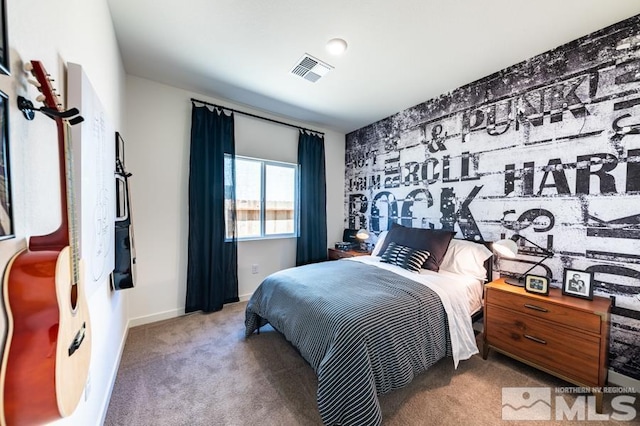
point(47, 351)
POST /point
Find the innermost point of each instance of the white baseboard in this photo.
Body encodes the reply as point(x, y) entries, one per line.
point(173, 313)
point(618, 379)
point(147, 319)
point(114, 374)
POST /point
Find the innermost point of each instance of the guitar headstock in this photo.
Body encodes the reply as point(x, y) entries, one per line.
point(49, 95)
point(52, 105)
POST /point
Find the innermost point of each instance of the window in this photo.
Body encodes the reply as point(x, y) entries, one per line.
point(266, 199)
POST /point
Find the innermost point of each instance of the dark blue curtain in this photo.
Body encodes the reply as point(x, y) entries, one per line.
point(312, 241)
point(212, 270)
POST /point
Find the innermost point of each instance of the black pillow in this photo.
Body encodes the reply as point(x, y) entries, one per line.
point(404, 257)
point(434, 241)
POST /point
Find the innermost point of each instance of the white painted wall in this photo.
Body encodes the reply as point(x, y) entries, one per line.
point(157, 132)
point(56, 32)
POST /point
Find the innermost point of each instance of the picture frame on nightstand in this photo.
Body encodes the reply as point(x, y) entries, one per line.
point(577, 283)
point(536, 284)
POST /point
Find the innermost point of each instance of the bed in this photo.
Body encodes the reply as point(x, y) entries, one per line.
point(368, 326)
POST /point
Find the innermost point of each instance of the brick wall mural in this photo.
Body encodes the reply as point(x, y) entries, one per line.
point(548, 149)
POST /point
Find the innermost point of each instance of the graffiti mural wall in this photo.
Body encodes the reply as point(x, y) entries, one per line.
point(548, 149)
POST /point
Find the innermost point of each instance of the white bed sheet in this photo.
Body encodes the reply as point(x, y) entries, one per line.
point(454, 298)
point(473, 286)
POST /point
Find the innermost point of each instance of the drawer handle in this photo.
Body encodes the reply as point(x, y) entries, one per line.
point(535, 339)
point(535, 308)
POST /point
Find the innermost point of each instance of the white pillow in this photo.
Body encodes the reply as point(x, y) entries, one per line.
point(466, 258)
point(379, 243)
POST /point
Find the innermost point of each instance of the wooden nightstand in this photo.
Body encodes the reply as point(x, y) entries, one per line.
point(562, 335)
point(335, 254)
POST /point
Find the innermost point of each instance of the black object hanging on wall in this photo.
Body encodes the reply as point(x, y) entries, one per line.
point(124, 273)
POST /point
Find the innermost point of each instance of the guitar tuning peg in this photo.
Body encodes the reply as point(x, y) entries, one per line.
point(28, 67)
point(40, 98)
point(34, 82)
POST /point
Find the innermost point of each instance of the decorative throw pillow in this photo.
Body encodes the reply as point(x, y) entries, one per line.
point(466, 258)
point(434, 241)
point(404, 257)
point(377, 249)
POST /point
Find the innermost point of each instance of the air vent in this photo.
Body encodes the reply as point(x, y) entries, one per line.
point(310, 68)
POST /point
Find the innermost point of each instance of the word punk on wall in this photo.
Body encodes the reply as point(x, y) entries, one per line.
point(549, 149)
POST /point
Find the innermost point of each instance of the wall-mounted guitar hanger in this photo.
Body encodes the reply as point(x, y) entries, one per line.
point(28, 110)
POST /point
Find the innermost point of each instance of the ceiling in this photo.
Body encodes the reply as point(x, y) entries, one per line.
point(401, 53)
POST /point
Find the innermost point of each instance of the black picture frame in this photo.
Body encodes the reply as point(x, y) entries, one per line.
point(4, 44)
point(119, 151)
point(536, 284)
point(577, 283)
point(6, 211)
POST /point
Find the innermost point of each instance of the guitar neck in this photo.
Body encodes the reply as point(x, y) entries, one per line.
point(72, 223)
point(59, 238)
point(66, 234)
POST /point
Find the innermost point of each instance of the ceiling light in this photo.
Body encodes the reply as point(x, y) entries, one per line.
point(336, 46)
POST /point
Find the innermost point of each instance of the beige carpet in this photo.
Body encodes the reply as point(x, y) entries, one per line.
point(200, 370)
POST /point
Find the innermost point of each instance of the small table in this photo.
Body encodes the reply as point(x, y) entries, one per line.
point(335, 254)
point(561, 335)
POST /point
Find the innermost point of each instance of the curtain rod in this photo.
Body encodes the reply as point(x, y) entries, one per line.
point(256, 116)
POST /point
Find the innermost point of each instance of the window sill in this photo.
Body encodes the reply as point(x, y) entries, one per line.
point(269, 237)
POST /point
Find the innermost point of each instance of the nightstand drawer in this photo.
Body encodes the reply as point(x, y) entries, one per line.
point(568, 352)
point(540, 308)
point(339, 254)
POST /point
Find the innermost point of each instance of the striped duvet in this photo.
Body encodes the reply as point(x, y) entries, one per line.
point(364, 330)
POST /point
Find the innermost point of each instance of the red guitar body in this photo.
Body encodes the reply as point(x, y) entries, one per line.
point(48, 348)
point(31, 380)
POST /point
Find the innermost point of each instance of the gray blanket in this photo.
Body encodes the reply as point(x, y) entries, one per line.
point(364, 330)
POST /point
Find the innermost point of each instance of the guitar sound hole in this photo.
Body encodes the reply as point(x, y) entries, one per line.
point(74, 297)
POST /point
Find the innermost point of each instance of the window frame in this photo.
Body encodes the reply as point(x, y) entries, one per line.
point(263, 201)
